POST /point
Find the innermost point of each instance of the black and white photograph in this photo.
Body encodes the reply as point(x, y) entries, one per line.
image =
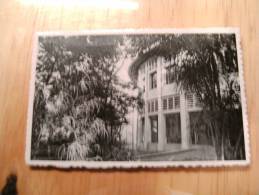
point(137, 98)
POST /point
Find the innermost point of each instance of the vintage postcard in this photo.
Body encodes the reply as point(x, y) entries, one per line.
point(137, 98)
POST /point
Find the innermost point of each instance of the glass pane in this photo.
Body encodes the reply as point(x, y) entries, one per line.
point(152, 106)
point(177, 102)
point(189, 98)
point(165, 104)
point(173, 128)
point(169, 75)
point(142, 129)
point(154, 129)
point(156, 105)
point(153, 80)
point(170, 102)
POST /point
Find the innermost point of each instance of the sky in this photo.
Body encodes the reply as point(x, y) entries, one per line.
point(123, 66)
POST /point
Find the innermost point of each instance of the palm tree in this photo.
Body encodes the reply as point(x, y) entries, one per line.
point(206, 65)
point(78, 106)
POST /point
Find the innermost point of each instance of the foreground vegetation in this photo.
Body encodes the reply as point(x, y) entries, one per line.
point(79, 108)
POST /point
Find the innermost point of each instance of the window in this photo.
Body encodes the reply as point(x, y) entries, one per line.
point(171, 102)
point(153, 105)
point(156, 105)
point(149, 110)
point(190, 100)
point(152, 64)
point(142, 130)
point(169, 76)
point(153, 80)
point(165, 104)
point(173, 128)
point(154, 129)
point(177, 102)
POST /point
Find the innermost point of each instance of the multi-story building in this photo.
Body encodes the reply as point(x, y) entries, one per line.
point(168, 113)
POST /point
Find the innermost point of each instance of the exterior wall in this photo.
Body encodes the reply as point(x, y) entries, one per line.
point(162, 90)
point(130, 131)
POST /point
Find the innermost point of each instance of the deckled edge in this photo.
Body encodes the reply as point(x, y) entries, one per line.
point(137, 164)
point(243, 96)
point(31, 100)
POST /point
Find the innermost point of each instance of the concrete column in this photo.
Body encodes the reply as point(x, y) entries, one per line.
point(147, 129)
point(161, 120)
point(135, 129)
point(138, 132)
point(185, 127)
point(161, 129)
point(161, 132)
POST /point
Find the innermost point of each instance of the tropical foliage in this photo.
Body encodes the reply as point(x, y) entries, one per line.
point(79, 108)
point(206, 65)
point(80, 105)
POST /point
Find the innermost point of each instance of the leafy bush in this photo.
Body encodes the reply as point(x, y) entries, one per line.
point(79, 103)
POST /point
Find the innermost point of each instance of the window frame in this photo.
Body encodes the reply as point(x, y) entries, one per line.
point(169, 74)
point(167, 116)
point(154, 135)
point(153, 82)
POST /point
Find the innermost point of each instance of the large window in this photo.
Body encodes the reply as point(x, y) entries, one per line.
point(173, 128)
point(154, 129)
point(153, 80)
point(142, 129)
point(153, 105)
point(169, 76)
point(171, 102)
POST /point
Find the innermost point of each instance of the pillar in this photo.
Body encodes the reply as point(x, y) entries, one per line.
point(161, 132)
point(161, 118)
point(185, 127)
point(147, 129)
point(135, 130)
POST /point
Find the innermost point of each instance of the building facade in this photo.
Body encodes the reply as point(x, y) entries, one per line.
point(166, 120)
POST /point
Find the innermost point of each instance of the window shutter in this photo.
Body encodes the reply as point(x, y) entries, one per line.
point(152, 106)
point(156, 105)
point(190, 101)
point(177, 102)
point(170, 103)
point(165, 104)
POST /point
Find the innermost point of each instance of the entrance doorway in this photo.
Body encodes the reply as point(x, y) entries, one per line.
point(173, 128)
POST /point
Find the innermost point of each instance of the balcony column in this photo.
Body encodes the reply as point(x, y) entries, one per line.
point(185, 124)
point(161, 120)
point(135, 132)
point(138, 133)
point(147, 129)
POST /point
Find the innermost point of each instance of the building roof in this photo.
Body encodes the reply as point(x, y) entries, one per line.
point(141, 58)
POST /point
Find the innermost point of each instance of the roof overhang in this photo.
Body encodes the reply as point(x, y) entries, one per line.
point(141, 58)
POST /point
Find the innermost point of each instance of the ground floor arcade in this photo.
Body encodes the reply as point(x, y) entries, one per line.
point(170, 123)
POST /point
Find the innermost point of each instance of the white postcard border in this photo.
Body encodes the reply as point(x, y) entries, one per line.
point(137, 164)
